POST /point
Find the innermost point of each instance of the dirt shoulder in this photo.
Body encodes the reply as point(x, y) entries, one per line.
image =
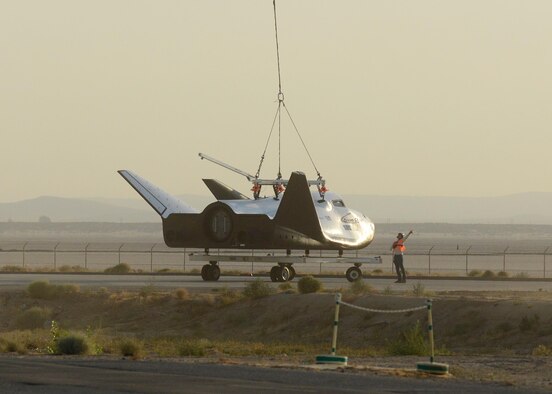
point(485, 336)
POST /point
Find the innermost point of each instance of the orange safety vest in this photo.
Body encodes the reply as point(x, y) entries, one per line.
point(398, 246)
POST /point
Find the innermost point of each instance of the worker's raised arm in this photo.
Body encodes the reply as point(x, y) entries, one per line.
point(408, 235)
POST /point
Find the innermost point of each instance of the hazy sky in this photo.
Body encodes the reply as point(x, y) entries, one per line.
point(392, 97)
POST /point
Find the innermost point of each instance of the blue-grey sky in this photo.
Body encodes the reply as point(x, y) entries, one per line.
point(392, 97)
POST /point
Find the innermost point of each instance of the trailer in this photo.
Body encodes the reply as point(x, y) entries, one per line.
point(283, 271)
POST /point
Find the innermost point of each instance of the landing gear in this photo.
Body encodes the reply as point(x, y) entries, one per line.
point(282, 273)
point(210, 272)
point(353, 274)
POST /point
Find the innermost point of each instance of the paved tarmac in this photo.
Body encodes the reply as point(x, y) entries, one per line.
point(10, 281)
point(32, 374)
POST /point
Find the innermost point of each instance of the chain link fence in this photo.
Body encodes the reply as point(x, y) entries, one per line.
point(157, 257)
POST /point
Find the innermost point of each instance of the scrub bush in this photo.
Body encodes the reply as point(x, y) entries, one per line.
point(131, 348)
point(45, 291)
point(182, 294)
point(542, 350)
point(308, 284)
point(410, 342)
point(72, 344)
point(122, 268)
point(257, 289)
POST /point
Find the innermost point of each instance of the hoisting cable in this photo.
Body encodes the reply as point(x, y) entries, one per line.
point(279, 114)
point(303, 142)
point(280, 95)
point(280, 138)
point(267, 142)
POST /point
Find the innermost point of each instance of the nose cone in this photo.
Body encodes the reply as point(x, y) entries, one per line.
point(370, 231)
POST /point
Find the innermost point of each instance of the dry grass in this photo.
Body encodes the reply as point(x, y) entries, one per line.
point(13, 268)
point(23, 341)
point(34, 317)
point(162, 321)
point(360, 287)
point(72, 268)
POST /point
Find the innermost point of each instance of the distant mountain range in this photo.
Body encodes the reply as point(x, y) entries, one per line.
point(523, 208)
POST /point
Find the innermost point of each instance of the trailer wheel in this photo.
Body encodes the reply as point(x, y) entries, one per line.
point(215, 273)
point(279, 273)
point(291, 272)
point(284, 274)
point(210, 272)
point(205, 272)
point(274, 272)
point(353, 274)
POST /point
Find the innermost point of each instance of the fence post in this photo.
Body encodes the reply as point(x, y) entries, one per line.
point(24, 246)
point(184, 260)
point(429, 259)
point(86, 256)
point(467, 254)
point(336, 323)
point(120, 247)
point(504, 259)
point(544, 262)
point(55, 256)
point(151, 257)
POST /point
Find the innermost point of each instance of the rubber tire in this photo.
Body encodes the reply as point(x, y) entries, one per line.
point(215, 273)
point(353, 274)
point(291, 272)
point(206, 272)
point(274, 273)
point(284, 274)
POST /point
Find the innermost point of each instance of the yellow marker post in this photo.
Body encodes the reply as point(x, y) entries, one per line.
point(336, 323)
point(333, 358)
point(432, 367)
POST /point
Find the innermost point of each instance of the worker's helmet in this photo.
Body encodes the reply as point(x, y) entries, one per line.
point(400, 235)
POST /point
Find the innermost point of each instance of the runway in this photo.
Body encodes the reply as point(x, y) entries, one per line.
point(9, 281)
point(49, 375)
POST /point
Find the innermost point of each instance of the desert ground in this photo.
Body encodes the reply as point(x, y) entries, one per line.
point(501, 337)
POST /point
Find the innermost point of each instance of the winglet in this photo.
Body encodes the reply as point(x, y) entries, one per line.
point(162, 202)
point(296, 210)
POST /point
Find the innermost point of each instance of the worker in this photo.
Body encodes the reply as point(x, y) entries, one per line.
point(398, 249)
